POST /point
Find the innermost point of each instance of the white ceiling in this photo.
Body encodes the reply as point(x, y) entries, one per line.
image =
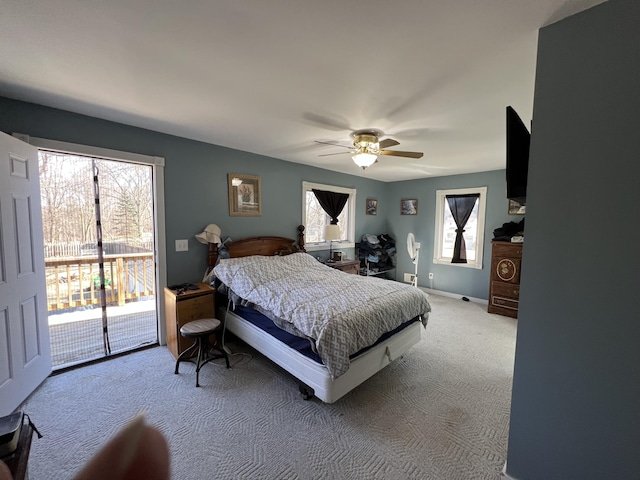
point(273, 76)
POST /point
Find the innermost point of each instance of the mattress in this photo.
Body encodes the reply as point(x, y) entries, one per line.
point(301, 345)
point(313, 377)
point(341, 313)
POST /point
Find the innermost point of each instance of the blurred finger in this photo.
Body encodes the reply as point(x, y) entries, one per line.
point(137, 451)
point(5, 473)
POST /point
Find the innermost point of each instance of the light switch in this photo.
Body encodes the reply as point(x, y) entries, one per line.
point(182, 245)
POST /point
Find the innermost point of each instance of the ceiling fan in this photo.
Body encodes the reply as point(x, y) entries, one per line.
point(367, 146)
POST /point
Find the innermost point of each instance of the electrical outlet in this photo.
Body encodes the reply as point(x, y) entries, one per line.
point(182, 245)
point(430, 276)
point(408, 277)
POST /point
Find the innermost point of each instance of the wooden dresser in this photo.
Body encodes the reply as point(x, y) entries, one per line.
point(504, 290)
point(347, 266)
point(184, 307)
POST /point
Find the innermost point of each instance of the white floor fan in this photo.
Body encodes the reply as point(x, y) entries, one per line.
point(413, 248)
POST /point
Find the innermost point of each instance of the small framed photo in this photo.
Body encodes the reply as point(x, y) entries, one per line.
point(245, 195)
point(516, 209)
point(372, 206)
point(409, 206)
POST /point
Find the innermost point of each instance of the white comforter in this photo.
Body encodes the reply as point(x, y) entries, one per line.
point(342, 313)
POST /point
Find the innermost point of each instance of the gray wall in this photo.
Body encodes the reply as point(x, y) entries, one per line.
point(466, 281)
point(576, 392)
point(196, 180)
point(196, 193)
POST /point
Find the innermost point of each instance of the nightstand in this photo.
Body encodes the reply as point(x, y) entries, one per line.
point(183, 308)
point(347, 266)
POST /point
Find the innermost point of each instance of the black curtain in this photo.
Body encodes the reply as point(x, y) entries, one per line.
point(461, 207)
point(332, 203)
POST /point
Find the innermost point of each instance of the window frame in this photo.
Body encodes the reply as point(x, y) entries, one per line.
point(441, 203)
point(351, 227)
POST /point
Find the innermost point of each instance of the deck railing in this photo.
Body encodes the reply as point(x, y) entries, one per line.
point(75, 281)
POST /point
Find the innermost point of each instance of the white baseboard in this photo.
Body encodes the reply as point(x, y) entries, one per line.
point(455, 295)
point(503, 473)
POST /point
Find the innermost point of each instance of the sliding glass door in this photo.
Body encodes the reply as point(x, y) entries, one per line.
point(99, 255)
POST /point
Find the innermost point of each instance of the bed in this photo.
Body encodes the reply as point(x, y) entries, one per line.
point(329, 329)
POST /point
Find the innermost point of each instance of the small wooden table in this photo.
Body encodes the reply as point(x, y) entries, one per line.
point(347, 266)
point(183, 308)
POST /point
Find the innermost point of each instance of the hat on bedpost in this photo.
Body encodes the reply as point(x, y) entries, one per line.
point(211, 234)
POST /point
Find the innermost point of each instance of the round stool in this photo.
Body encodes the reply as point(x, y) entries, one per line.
point(200, 330)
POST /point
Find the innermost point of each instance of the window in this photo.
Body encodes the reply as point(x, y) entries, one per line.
point(445, 231)
point(315, 219)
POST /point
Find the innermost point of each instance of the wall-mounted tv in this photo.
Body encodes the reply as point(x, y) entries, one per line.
point(518, 140)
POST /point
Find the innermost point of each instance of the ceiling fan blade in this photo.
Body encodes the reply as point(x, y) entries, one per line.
point(398, 153)
point(329, 154)
point(334, 144)
point(388, 142)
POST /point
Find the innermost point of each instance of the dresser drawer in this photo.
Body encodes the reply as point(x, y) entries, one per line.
point(505, 290)
point(503, 306)
point(195, 309)
point(507, 249)
point(504, 302)
point(505, 269)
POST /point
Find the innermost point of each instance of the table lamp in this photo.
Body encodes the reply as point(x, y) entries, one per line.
point(331, 233)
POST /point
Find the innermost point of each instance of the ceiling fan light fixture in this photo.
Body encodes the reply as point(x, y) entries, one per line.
point(367, 146)
point(364, 160)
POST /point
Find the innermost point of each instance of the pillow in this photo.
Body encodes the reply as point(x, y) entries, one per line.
point(287, 251)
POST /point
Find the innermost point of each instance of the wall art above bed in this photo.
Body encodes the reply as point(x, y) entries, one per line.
point(245, 195)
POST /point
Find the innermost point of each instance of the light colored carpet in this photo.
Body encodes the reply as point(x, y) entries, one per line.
point(441, 412)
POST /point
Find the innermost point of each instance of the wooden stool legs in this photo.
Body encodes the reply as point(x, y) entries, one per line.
point(200, 330)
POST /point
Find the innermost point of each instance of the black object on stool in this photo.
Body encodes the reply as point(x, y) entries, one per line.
point(200, 330)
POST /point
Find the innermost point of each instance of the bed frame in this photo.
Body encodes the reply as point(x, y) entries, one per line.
point(313, 378)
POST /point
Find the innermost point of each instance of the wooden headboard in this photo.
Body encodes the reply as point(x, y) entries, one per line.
point(267, 245)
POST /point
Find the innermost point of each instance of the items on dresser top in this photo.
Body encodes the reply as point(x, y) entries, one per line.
point(183, 287)
point(508, 231)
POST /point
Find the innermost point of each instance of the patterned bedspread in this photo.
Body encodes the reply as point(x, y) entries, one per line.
point(341, 313)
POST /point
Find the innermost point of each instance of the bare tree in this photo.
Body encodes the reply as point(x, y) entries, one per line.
point(68, 203)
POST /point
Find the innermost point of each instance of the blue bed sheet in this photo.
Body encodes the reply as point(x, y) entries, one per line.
point(300, 344)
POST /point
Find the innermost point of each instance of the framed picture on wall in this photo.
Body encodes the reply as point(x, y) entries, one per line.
point(245, 195)
point(409, 206)
point(372, 206)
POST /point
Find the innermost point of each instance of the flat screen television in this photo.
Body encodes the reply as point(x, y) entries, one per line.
point(518, 140)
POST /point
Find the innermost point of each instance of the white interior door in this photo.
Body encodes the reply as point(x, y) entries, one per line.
point(25, 352)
